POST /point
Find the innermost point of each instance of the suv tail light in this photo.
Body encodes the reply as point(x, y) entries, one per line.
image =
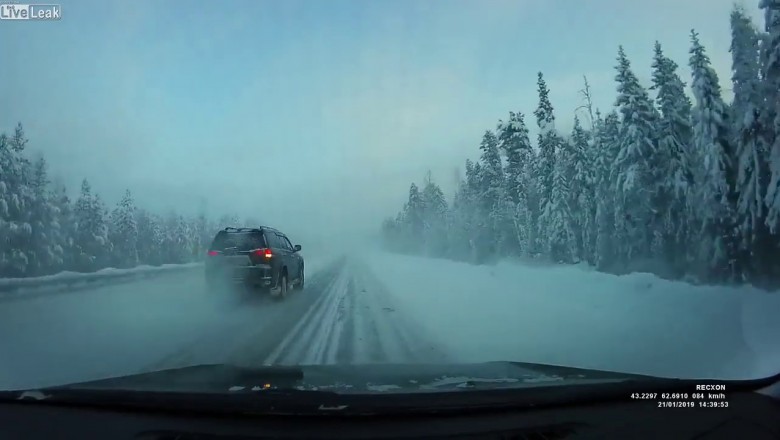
point(213, 253)
point(264, 253)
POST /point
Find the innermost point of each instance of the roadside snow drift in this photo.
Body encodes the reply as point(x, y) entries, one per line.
point(582, 318)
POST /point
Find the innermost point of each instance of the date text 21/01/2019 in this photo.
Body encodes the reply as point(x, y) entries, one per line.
point(704, 396)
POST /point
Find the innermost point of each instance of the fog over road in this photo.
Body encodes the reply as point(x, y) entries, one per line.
point(342, 317)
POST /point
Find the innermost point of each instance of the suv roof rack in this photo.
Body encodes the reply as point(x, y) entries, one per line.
point(257, 229)
point(230, 228)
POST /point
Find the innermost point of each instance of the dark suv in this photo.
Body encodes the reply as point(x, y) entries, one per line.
point(260, 257)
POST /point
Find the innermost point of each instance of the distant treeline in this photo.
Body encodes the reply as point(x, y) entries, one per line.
point(660, 183)
point(43, 232)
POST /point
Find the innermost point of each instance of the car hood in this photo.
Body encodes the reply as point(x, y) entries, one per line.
point(354, 390)
point(355, 379)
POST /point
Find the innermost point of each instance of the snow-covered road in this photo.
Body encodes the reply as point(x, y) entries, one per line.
point(343, 316)
point(383, 308)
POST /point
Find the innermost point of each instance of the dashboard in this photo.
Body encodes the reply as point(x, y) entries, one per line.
point(744, 415)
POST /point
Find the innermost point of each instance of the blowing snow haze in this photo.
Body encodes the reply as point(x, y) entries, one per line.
point(336, 105)
point(590, 184)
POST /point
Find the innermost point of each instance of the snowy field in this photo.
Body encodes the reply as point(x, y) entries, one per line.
point(578, 317)
point(374, 307)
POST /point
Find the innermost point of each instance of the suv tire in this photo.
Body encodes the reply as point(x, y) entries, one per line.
point(284, 286)
point(299, 285)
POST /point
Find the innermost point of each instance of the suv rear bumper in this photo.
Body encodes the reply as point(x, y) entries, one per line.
point(259, 274)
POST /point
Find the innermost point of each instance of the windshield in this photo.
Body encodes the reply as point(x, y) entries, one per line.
point(414, 188)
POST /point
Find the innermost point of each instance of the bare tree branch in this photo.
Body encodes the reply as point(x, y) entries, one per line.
point(588, 105)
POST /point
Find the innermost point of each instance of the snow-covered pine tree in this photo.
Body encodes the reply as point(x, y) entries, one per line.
point(555, 228)
point(535, 191)
point(124, 232)
point(169, 254)
point(204, 234)
point(150, 238)
point(770, 70)
point(674, 152)
point(490, 188)
point(459, 220)
point(15, 232)
point(749, 137)
point(434, 218)
point(44, 250)
point(479, 221)
point(578, 159)
point(716, 192)
point(607, 145)
point(177, 245)
point(106, 248)
point(64, 230)
point(519, 185)
point(401, 232)
point(389, 234)
point(468, 215)
point(162, 238)
point(548, 141)
point(414, 219)
point(636, 162)
point(91, 240)
point(556, 217)
point(191, 238)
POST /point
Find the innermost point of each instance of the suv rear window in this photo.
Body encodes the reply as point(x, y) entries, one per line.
point(244, 241)
point(273, 240)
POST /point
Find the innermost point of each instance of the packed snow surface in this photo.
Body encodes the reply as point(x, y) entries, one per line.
point(573, 316)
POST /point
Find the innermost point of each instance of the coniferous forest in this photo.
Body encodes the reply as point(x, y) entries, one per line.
point(676, 179)
point(44, 232)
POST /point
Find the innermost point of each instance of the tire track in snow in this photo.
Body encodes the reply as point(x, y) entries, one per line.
point(353, 321)
point(343, 316)
point(398, 339)
point(252, 329)
point(311, 339)
point(346, 346)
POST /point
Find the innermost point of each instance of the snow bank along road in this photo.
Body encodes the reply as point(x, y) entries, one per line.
point(342, 316)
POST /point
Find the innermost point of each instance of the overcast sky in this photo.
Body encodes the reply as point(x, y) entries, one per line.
point(325, 109)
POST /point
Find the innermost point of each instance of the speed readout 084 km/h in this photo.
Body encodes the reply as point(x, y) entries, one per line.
point(703, 396)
